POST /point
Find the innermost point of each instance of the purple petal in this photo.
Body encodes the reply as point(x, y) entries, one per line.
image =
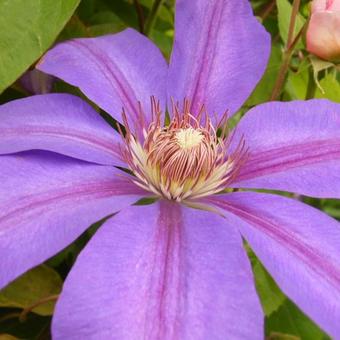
point(61, 123)
point(160, 272)
point(114, 71)
point(293, 146)
point(219, 55)
point(300, 247)
point(47, 200)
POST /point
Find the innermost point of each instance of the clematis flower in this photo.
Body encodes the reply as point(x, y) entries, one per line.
point(168, 270)
point(323, 37)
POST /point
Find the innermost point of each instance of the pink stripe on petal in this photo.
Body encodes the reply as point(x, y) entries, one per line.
point(60, 123)
point(284, 158)
point(47, 201)
point(299, 245)
point(115, 71)
point(31, 206)
point(207, 49)
point(109, 146)
point(293, 146)
point(161, 271)
point(212, 40)
point(112, 73)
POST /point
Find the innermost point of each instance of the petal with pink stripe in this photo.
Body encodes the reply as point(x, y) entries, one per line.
point(60, 123)
point(47, 201)
point(161, 272)
point(299, 245)
point(293, 146)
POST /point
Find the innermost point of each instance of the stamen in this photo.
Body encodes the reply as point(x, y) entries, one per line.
point(184, 160)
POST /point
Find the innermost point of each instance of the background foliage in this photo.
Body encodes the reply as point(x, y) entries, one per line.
point(29, 28)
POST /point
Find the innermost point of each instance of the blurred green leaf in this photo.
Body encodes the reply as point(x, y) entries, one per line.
point(7, 337)
point(124, 10)
point(34, 328)
point(270, 294)
point(331, 207)
point(86, 9)
point(104, 22)
point(319, 65)
point(33, 286)
point(163, 14)
point(27, 30)
point(75, 28)
point(163, 40)
point(288, 319)
point(264, 88)
point(330, 86)
point(335, 212)
point(297, 82)
point(102, 29)
point(105, 17)
point(284, 12)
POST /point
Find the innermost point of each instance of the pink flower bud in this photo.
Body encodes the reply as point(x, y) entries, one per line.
point(323, 34)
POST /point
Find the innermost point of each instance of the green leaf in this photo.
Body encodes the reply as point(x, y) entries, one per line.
point(263, 89)
point(288, 319)
point(105, 17)
point(164, 41)
point(297, 82)
point(284, 13)
point(102, 29)
point(270, 294)
point(27, 30)
point(330, 88)
point(124, 10)
point(75, 28)
point(163, 14)
point(318, 66)
point(35, 285)
point(331, 207)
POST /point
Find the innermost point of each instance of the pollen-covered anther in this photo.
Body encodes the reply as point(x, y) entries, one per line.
point(184, 160)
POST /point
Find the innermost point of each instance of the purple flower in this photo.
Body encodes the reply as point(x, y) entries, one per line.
point(167, 270)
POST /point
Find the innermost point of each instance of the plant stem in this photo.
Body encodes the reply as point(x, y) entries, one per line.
point(281, 76)
point(287, 54)
point(23, 314)
point(295, 12)
point(152, 16)
point(311, 85)
point(267, 10)
point(140, 15)
point(9, 316)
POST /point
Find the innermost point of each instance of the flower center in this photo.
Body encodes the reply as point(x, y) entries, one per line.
point(188, 138)
point(185, 160)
